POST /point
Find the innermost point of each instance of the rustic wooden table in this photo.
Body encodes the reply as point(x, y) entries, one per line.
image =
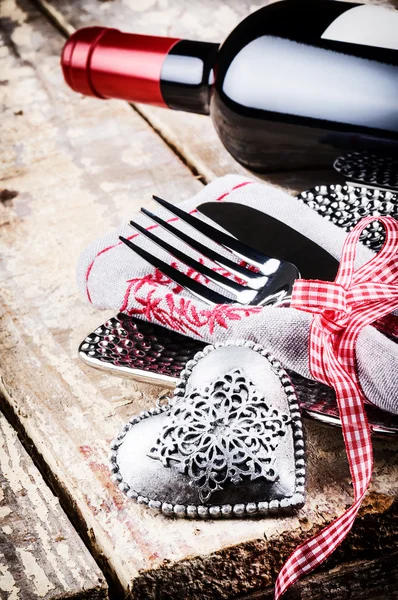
point(72, 168)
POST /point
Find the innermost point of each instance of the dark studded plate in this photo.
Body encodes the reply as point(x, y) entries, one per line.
point(138, 349)
point(345, 205)
point(154, 354)
point(318, 402)
point(370, 169)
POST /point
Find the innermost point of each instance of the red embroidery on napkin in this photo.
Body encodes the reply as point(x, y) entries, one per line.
point(90, 266)
point(177, 312)
point(181, 314)
point(157, 278)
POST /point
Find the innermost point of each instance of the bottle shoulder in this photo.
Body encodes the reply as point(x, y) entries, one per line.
point(318, 28)
point(302, 21)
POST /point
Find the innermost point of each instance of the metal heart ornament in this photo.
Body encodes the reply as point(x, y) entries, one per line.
point(229, 443)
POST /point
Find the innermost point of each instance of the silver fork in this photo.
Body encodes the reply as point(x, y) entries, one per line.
point(272, 284)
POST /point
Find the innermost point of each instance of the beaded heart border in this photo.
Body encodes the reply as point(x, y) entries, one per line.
point(212, 511)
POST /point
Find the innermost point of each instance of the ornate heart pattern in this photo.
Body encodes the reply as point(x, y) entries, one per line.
point(222, 432)
point(229, 443)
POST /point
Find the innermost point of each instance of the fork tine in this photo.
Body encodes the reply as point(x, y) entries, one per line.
point(197, 289)
point(231, 286)
point(254, 280)
point(240, 249)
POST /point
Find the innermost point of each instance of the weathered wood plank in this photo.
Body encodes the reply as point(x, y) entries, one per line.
point(41, 555)
point(194, 136)
point(362, 580)
point(74, 167)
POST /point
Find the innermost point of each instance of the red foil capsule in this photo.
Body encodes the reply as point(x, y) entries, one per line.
point(106, 63)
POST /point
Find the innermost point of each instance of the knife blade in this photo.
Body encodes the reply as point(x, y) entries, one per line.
point(273, 238)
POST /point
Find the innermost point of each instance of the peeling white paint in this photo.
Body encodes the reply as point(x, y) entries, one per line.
point(7, 582)
point(4, 511)
point(35, 573)
point(50, 552)
point(7, 530)
point(53, 557)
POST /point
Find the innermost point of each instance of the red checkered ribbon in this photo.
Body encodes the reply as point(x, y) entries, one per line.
point(341, 309)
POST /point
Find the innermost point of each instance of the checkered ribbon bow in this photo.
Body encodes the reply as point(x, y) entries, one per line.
point(341, 309)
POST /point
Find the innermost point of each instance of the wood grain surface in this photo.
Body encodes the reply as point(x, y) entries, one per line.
point(360, 580)
point(41, 555)
point(194, 136)
point(71, 169)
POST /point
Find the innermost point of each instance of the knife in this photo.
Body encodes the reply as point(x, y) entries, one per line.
point(272, 237)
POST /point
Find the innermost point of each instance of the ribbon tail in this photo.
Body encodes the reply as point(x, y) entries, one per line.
point(354, 300)
point(356, 432)
point(311, 553)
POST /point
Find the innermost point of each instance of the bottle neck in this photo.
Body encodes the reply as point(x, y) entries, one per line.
point(167, 72)
point(187, 76)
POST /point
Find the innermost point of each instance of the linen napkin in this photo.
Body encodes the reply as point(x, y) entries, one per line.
point(110, 275)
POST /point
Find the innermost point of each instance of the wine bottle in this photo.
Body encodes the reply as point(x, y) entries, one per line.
point(294, 80)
